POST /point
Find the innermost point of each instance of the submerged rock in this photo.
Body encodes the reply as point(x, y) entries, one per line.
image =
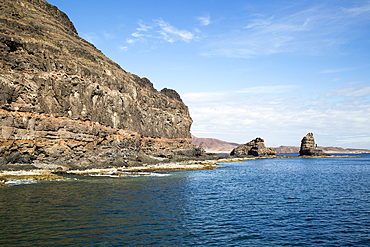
point(308, 147)
point(255, 147)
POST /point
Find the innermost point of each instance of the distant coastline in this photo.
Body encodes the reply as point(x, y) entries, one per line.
point(331, 150)
point(212, 145)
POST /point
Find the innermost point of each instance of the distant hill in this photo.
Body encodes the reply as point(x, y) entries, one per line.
point(287, 150)
point(212, 145)
point(295, 150)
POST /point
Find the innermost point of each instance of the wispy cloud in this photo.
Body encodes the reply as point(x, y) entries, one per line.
point(172, 34)
point(204, 20)
point(268, 89)
point(330, 71)
point(356, 91)
point(283, 119)
point(107, 35)
point(91, 37)
point(159, 30)
point(96, 38)
point(313, 31)
point(205, 96)
point(364, 9)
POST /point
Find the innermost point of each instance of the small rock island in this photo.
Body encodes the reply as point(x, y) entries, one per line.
point(308, 147)
point(256, 147)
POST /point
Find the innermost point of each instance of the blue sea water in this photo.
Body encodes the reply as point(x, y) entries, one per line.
point(268, 202)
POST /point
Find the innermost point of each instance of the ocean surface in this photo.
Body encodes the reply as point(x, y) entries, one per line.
point(269, 202)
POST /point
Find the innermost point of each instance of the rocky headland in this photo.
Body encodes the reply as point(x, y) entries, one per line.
point(64, 104)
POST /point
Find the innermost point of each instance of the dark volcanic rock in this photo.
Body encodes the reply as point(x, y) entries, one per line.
point(63, 101)
point(255, 147)
point(308, 147)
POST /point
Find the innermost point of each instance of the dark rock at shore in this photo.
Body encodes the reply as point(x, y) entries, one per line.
point(308, 147)
point(63, 102)
point(255, 147)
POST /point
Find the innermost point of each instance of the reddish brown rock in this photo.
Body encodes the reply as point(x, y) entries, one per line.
point(255, 147)
point(32, 138)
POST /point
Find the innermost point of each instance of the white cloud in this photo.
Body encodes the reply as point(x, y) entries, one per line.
point(331, 71)
point(359, 92)
point(283, 119)
point(143, 27)
point(130, 41)
point(160, 30)
point(204, 96)
point(268, 89)
point(123, 48)
point(365, 9)
point(171, 34)
point(204, 20)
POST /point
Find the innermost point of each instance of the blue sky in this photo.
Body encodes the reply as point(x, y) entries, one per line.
point(246, 69)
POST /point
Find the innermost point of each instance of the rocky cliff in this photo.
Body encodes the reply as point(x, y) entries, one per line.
point(256, 147)
point(61, 99)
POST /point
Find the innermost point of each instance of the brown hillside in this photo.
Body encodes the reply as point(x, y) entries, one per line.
point(212, 145)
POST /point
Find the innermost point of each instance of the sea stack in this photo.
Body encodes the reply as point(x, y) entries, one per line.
point(255, 147)
point(308, 147)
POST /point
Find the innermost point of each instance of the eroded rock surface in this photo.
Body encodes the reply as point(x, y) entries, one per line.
point(308, 147)
point(63, 101)
point(256, 147)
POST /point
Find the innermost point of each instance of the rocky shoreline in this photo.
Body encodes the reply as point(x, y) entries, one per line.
point(57, 173)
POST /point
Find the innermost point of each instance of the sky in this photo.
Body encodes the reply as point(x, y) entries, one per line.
point(274, 69)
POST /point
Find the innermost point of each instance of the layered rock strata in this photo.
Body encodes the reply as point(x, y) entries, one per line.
point(62, 100)
point(308, 147)
point(256, 147)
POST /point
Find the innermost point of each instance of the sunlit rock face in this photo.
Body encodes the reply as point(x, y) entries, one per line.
point(48, 71)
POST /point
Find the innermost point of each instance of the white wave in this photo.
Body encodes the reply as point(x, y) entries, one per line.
point(130, 174)
point(12, 182)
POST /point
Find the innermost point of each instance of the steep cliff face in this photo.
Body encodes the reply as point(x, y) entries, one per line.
point(48, 71)
point(45, 64)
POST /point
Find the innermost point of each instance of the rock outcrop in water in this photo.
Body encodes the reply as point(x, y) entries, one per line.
point(255, 147)
point(63, 102)
point(308, 147)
